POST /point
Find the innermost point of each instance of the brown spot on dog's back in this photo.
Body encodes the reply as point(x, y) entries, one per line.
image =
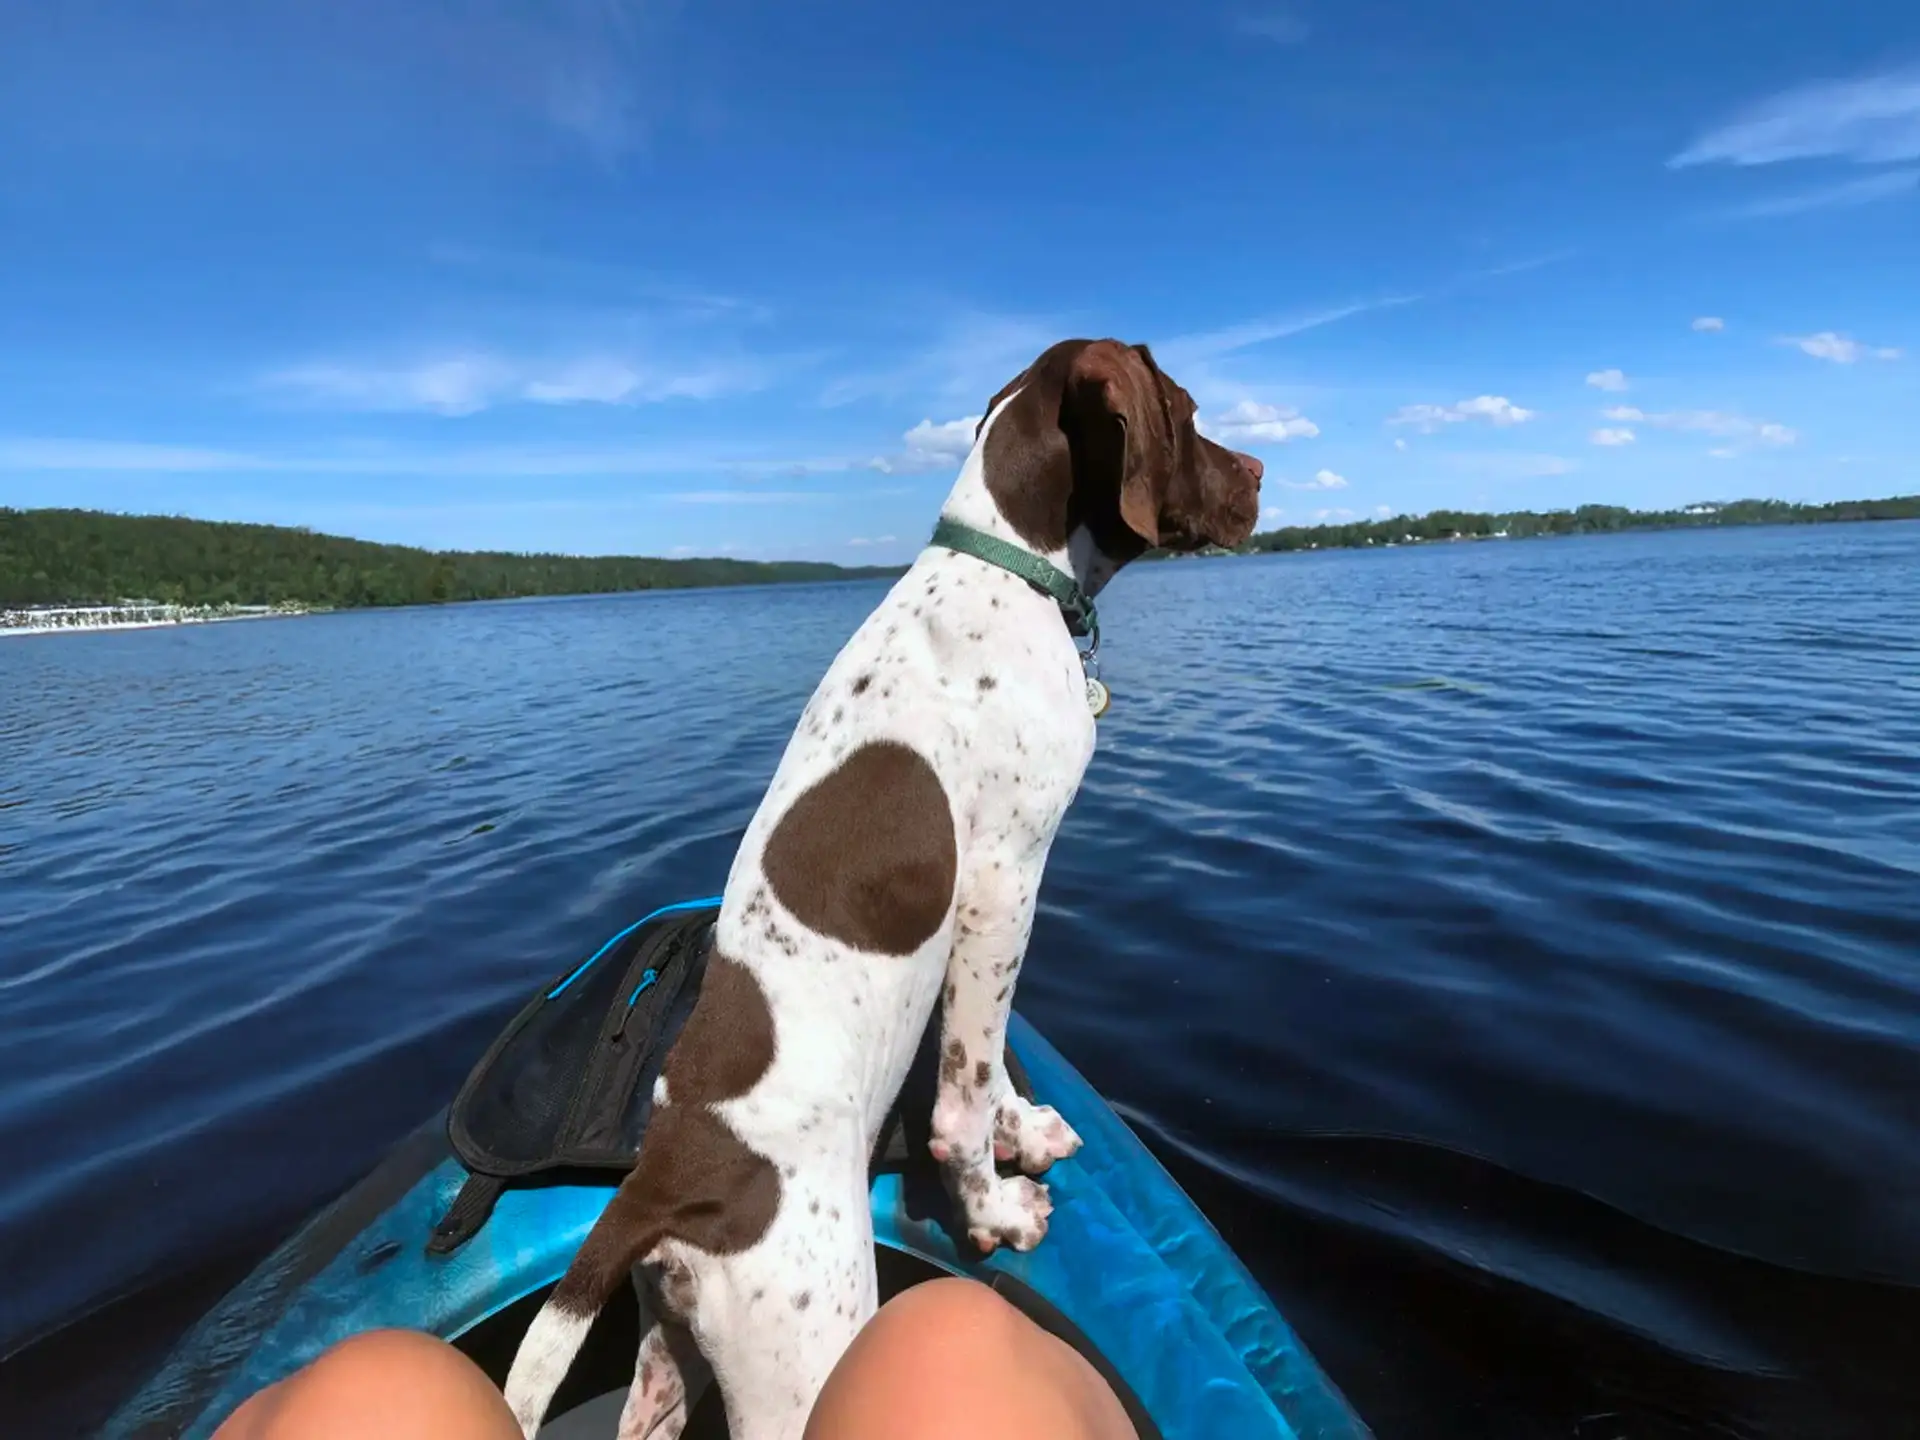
point(866, 856)
point(695, 1181)
point(728, 1041)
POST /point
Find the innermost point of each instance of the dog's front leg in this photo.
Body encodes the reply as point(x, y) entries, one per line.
point(975, 1110)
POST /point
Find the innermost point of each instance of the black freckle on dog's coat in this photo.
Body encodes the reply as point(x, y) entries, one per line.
point(953, 1060)
point(860, 685)
point(867, 856)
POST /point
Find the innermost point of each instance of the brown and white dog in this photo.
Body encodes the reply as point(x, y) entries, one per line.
point(895, 861)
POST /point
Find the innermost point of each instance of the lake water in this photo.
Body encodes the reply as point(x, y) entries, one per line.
point(1515, 947)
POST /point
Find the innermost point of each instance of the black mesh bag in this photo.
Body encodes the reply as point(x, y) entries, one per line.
point(565, 1093)
point(567, 1089)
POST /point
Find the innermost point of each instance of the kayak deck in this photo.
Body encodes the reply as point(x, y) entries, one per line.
point(1130, 1268)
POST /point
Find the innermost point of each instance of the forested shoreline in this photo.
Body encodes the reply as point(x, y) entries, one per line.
point(67, 557)
point(54, 557)
point(1586, 520)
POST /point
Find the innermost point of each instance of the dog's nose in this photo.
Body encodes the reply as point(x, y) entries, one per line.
point(1252, 465)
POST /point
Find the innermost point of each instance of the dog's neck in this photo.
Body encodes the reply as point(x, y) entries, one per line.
point(971, 503)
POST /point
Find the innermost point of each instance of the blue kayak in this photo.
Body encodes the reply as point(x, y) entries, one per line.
point(1130, 1273)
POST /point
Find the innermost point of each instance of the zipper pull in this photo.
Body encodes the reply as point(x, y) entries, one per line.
point(648, 979)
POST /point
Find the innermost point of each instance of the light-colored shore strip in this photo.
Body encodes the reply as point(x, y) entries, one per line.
point(92, 619)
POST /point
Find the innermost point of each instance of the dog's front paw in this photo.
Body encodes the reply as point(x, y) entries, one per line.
point(1010, 1211)
point(1033, 1135)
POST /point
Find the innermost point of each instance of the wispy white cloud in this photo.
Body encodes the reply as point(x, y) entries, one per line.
point(1722, 424)
point(1250, 422)
point(441, 79)
point(1840, 349)
point(1496, 410)
point(1334, 512)
point(125, 457)
point(595, 70)
point(1709, 325)
point(1383, 511)
point(1271, 513)
point(1282, 27)
point(930, 446)
point(602, 282)
point(1193, 352)
point(1212, 344)
point(744, 497)
point(33, 454)
point(1503, 466)
point(466, 384)
point(875, 540)
point(607, 381)
point(754, 495)
point(1869, 119)
point(1322, 480)
point(970, 356)
point(1516, 267)
point(1886, 185)
point(1399, 443)
point(951, 438)
point(1612, 437)
point(1614, 380)
point(458, 386)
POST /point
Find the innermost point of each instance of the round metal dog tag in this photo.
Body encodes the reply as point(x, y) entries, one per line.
point(1098, 697)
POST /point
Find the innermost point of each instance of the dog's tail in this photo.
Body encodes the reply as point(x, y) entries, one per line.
point(619, 1240)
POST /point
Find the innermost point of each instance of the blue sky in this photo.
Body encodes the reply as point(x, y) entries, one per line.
point(605, 276)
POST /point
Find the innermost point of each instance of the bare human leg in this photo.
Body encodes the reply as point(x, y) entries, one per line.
point(383, 1385)
point(951, 1360)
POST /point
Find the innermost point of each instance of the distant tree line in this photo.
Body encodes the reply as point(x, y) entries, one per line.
point(1587, 520)
point(51, 557)
point(87, 556)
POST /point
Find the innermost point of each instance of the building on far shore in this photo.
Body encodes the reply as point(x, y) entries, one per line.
point(126, 615)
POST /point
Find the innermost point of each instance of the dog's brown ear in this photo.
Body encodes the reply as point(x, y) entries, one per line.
point(1107, 386)
point(994, 404)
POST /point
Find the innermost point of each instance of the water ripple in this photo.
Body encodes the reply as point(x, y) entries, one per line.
point(1513, 946)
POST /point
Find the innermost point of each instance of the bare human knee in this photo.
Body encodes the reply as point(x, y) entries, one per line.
point(951, 1360)
point(381, 1385)
point(955, 1323)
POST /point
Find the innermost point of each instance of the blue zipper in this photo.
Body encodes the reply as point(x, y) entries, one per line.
point(585, 965)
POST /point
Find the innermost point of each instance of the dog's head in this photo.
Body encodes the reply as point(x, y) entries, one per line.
point(1097, 436)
